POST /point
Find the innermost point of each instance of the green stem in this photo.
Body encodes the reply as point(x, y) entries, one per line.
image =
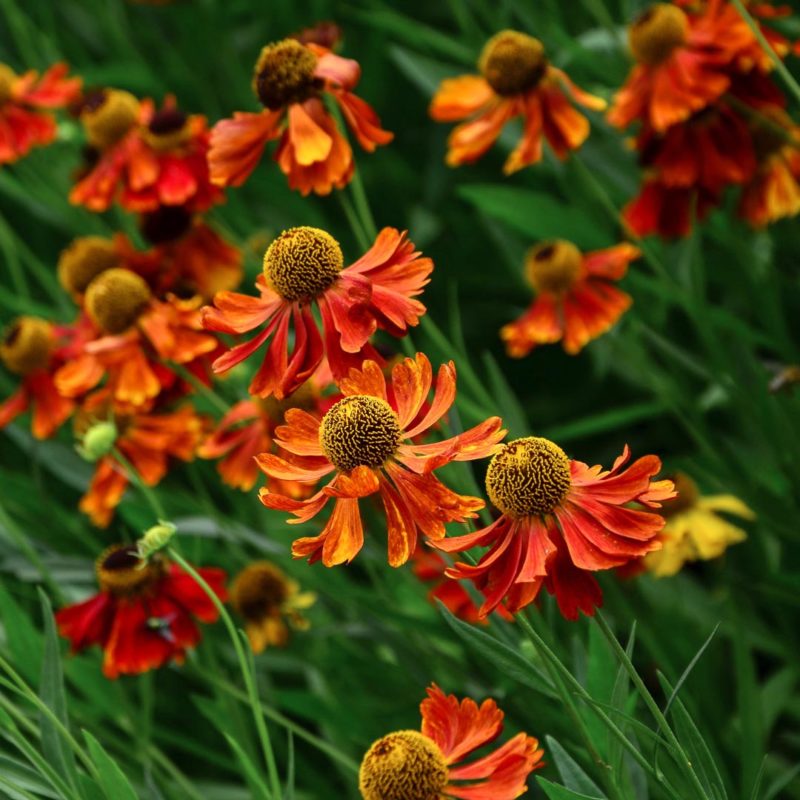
point(355, 224)
point(650, 702)
point(200, 387)
point(362, 206)
point(247, 674)
point(149, 495)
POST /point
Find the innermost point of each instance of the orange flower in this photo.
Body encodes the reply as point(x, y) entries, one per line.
point(516, 80)
point(364, 440)
point(409, 764)
point(33, 348)
point(143, 616)
point(135, 335)
point(668, 210)
point(684, 61)
point(576, 300)
point(147, 158)
point(147, 441)
point(24, 100)
point(290, 80)
point(303, 267)
point(561, 521)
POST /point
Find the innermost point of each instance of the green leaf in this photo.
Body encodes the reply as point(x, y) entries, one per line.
point(250, 769)
point(22, 639)
point(509, 407)
point(51, 692)
point(556, 792)
point(509, 661)
point(570, 771)
point(111, 778)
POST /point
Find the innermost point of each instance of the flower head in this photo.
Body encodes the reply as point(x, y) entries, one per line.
point(576, 299)
point(83, 260)
point(267, 599)
point(290, 79)
point(409, 765)
point(144, 615)
point(695, 531)
point(25, 103)
point(303, 267)
point(516, 80)
point(561, 520)
point(367, 441)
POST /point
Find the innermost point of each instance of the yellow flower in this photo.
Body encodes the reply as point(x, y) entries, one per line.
point(695, 531)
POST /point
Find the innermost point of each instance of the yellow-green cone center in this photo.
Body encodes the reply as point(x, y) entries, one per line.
point(302, 263)
point(121, 571)
point(110, 115)
point(528, 476)
point(83, 260)
point(259, 591)
point(656, 33)
point(403, 766)
point(553, 266)
point(26, 345)
point(512, 62)
point(284, 74)
point(359, 431)
point(116, 298)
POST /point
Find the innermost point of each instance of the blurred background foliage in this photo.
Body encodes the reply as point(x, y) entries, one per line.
point(684, 375)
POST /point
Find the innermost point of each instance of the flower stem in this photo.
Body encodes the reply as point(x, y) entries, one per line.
point(149, 495)
point(200, 387)
point(247, 673)
point(362, 206)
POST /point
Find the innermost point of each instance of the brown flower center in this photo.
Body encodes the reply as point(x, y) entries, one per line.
point(528, 476)
point(304, 397)
point(7, 79)
point(26, 345)
point(83, 260)
point(259, 591)
point(284, 74)
point(108, 117)
point(169, 129)
point(120, 570)
point(359, 431)
point(512, 62)
point(688, 495)
point(302, 263)
point(405, 765)
point(553, 266)
point(116, 298)
point(656, 33)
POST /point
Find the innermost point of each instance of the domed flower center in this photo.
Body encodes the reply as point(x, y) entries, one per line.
point(528, 476)
point(512, 62)
point(166, 224)
point(657, 33)
point(107, 116)
point(553, 266)
point(120, 570)
point(688, 495)
point(116, 298)
point(83, 260)
point(259, 591)
point(27, 345)
point(304, 397)
point(168, 130)
point(284, 74)
point(7, 79)
point(359, 431)
point(302, 263)
point(405, 765)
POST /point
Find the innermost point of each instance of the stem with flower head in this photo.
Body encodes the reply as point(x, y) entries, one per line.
point(244, 665)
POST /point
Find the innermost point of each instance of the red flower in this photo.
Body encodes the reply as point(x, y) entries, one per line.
point(431, 764)
point(147, 158)
point(24, 100)
point(667, 210)
point(290, 80)
point(576, 298)
point(144, 615)
point(366, 440)
point(516, 81)
point(303, 267)
point(561, 520)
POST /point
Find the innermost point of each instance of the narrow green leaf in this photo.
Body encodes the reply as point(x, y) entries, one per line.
point(689, 668)
point(22, 639)
point(556, 792)
point(252, 773)
point(289, 793)
point(573, 775)
point(509, 408)
point(111, 778)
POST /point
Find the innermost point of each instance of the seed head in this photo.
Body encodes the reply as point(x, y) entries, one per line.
point(512, 62)
point(656, 33)
point(26, 345)
point(284, 74)
point(553, 266)
point(83, 260)
point(108, 116)
point(116, 298)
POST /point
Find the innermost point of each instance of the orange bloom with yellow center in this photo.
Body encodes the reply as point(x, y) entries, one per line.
point(148, 441)
point(33, 349)
point(366, 440)
point(516, 80)
point(576, 300)
point(25, 101)
point(409, 765)
point(136, 336)
point(144, 615)
point(147, 158)
point(561, 520)
point(303, 267)
point(290, 80)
